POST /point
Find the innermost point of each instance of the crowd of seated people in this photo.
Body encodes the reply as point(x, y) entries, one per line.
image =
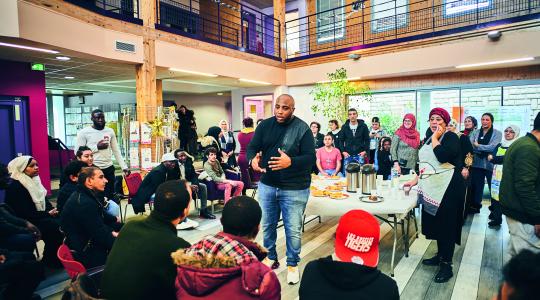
point(146, 259)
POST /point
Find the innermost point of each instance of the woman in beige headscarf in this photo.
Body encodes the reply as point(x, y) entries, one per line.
point(27, 197)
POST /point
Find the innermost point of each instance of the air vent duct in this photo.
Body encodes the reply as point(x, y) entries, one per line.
point(125, 47)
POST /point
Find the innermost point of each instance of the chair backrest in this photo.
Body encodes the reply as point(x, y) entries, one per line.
point(133, 182)
point(71, 266)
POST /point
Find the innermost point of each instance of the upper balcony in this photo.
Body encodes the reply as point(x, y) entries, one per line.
point(223, 22)
point(126, 10)
point(367, 24)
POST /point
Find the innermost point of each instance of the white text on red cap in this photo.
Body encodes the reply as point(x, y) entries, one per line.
point(358, 243)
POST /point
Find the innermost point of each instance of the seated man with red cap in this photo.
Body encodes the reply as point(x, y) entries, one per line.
point(351, 272)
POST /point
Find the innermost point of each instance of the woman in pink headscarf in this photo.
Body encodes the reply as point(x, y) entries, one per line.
point(405, 143)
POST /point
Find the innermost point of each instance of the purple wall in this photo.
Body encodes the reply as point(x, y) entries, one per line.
point(17, 79)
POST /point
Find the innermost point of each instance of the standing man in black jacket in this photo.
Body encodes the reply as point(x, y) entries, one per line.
point(90, 232)
point(351, 272)
point(355, 139)
point(283, 150)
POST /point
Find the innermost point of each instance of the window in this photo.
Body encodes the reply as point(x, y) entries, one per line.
point(457, 7)
point(388, 14)
point(330, 20)
point(293, 33)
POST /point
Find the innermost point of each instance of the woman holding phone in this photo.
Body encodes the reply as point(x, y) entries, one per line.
point(441, 189)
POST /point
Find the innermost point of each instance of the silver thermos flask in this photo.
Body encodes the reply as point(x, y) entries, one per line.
point(352, 173)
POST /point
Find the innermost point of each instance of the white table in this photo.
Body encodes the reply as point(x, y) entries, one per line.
point(396, 206)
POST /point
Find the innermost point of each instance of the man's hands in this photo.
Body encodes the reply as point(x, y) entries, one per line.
point(103, 144)
point(34, 230)
point(53, 212)
point(346, 154)
point(281, 162)
point(195, 188)
point(255, 163)
point(465, 173)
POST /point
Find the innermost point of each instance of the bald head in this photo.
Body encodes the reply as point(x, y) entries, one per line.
point(284, 108)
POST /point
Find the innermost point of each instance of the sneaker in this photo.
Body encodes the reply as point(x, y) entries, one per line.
point(187, 224)
point(445, 273)
point(434, 261)
point(293, 275)
point(272, 264)
point(205, 214)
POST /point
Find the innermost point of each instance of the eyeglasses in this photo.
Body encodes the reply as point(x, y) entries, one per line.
point(509, 131)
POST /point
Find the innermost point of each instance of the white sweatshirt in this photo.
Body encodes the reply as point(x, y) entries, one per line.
point(90, 137)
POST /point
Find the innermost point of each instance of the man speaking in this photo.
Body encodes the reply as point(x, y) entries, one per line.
point(283, 149)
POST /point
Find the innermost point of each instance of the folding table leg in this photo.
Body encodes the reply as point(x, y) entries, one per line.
point(405, 240)
point(394, 246)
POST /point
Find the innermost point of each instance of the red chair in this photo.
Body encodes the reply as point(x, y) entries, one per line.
point(72, 267)
point(133, 183)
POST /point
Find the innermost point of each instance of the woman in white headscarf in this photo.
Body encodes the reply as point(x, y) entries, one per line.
point(227, 143)
point(27, 197)
point(511, 133)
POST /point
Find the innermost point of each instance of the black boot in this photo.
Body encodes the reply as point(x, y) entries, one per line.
point(434, 261)
point(445, 272)
point(205, 214)
point(495, 223)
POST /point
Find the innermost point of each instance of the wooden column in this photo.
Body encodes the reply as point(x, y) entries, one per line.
point(279, 14)
point(148, 90)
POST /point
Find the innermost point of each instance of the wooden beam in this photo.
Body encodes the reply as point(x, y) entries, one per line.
point(148, 12)
point(159, 92)
point(279, 14)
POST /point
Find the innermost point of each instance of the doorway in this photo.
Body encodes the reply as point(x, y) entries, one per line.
point(14, 134)
point(258, 106)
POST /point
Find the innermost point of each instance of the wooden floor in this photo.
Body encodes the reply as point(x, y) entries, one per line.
point(477, 262)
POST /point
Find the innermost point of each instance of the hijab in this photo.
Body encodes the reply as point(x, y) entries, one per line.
point(214, 132)
point(410, 136)
point(466, 131)
point(506, 143)
point(33, 185)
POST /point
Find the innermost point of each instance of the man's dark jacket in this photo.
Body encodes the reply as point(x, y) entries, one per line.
point(190, 175)
point(149, 185)
point(357, 142)
point(84, 220)
point(10, 224)
point(140, 265)
point(295, 139)
point(65, 192)
point(520, 185)
point(325, 278)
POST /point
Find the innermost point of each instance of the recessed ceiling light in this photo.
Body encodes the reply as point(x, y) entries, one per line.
point(69, 77)
point(498, 62)
point(193, 72)
point(64, 58)
point(29, 48)
point(254, 81)
point(220, 94)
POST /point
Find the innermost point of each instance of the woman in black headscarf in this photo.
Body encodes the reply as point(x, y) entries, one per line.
point(441, 191)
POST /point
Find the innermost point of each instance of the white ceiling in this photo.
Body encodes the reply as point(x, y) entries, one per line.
point(94, 75)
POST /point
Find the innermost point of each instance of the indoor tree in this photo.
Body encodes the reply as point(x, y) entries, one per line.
point(330, 97)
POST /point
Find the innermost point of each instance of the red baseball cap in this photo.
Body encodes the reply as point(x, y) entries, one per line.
point(357, 238)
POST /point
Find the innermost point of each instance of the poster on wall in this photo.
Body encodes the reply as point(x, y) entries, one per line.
point(146, 159)
point(134, 157)
point(134, 135)
point(519, 115)
point(146, 134)
point(455, 7)
point(388, 15)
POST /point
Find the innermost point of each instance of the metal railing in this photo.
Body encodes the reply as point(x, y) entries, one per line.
point(127, 10)
point(365, 24)
point(223, 22)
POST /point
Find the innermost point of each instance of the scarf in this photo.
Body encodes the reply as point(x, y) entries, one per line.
point(247, 130)
point(506, 143)
point(484, 139)
point(410, 136)
point(32, 184)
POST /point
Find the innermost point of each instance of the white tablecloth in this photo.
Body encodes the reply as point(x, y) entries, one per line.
point(395, 202)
